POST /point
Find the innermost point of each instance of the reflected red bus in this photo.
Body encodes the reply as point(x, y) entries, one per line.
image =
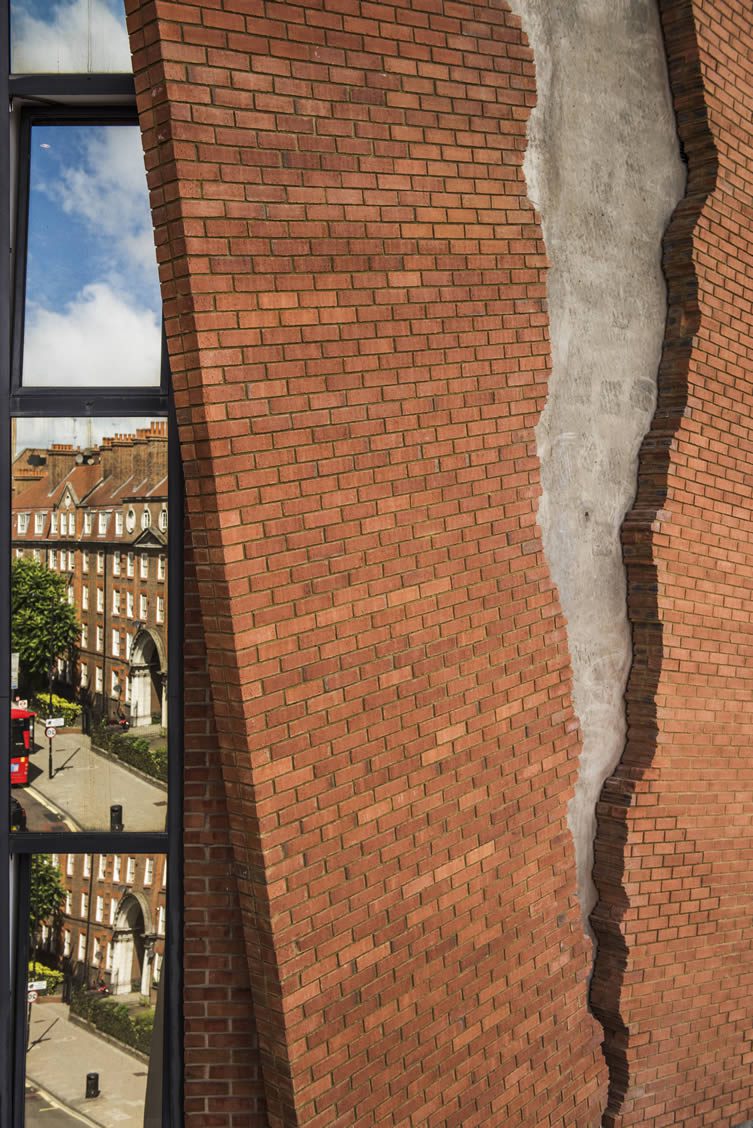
point(21, 737)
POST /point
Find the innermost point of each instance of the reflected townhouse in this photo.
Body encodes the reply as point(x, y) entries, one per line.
point(97, 516)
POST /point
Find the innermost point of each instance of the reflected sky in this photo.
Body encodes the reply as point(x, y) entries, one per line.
point(93, 306)
point(69, 37)
point(81, 432)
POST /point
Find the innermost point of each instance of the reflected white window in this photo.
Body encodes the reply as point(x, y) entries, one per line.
point(87, 865)
point(82, 945)
point(163, 519)
point(119, 525)
point(97, 950)
point(157, 968)
point(130, 870)
point(23, 522)
point(101, 313)
point(116, 865)
point(69, 865)
point(113, 909)
point(54, 522)
point(108, 954)
point(37, 555)
point(114, 683)
point(87, 523)
point(68, 902)
point(129, 604)
point(148, 871)
point(102, 867)
point(146, 519)
point(161, 920)
point(84, 561)
point(100, 644)
point(143, 606)
point(116, 564)
point(98, 680)
point(67, 942)
point(85, 598)
point(71, 524)
point(100, 562)
point(129, 564)
point(84, 636)
point(84, 674)
point(100, 599)
point(116, 602)
point(70, 594)
point(39, 523)
point(63, 524)
point(160, 568)
point(53, 561)
point(77, 37)
point(71, 561)
point(144, 566)
point(160, 609)
point(131, 520)
point(99, 911)
point(84, 904)
point(102, 523)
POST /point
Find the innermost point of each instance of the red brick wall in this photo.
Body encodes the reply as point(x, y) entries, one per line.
point(354, 294)
point(223, 1085)
point(676, 841)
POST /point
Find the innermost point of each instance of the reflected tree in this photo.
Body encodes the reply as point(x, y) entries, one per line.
point(43, 624)
point(46, 894)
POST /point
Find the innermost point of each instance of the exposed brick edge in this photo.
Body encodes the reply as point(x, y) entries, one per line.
point(638, 533)
point(155, 115)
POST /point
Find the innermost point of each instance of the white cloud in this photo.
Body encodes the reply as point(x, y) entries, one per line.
point(107, 192)
point(98, 340)
point(79, 37)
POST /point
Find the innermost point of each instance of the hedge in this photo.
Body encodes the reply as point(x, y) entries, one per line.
point(68, 710)
point(133, 750)
point(115, 1019)
point(39, 970)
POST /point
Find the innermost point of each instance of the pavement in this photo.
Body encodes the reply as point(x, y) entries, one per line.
point(84, 786)
point(59, 1057)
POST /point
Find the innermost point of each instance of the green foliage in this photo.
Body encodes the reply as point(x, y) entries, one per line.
point(133, 750)
point(38, 970)
point(46, 894)
point(60, 707)
point(43, 624)
point(115, 1019)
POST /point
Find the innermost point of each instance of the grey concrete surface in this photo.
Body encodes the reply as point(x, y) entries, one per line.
point(61, 1054)
point(85, 784)
point(604, 171)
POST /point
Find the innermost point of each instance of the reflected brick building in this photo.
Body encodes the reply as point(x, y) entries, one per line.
point(115, 911)
point(99, 517)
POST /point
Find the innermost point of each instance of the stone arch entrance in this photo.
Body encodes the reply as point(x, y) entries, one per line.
point(132, 946)
point(148, 679)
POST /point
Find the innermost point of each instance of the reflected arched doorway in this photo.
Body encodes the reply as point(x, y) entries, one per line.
point(147, 676)
point(132, 946)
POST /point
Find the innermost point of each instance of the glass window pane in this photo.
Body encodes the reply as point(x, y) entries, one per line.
point(94, 665)
point(82, 970)
point(93, 308)
point(69, 37)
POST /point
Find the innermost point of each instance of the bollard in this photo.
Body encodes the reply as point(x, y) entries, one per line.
point(116, 817)
point(92, 1085)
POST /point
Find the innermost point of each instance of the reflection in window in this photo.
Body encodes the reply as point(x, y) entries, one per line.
point(69, 37)
point(99, 963)
point(93, 311)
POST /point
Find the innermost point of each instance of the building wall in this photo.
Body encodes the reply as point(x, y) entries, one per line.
point(399, 800)
point(354, 286)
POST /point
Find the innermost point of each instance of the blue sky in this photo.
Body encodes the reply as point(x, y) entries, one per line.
point(93, 309)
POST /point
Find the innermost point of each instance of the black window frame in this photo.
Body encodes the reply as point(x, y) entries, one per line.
point(92, 99)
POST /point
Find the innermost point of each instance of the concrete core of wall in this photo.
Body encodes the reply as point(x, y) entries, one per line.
point(604, 171)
